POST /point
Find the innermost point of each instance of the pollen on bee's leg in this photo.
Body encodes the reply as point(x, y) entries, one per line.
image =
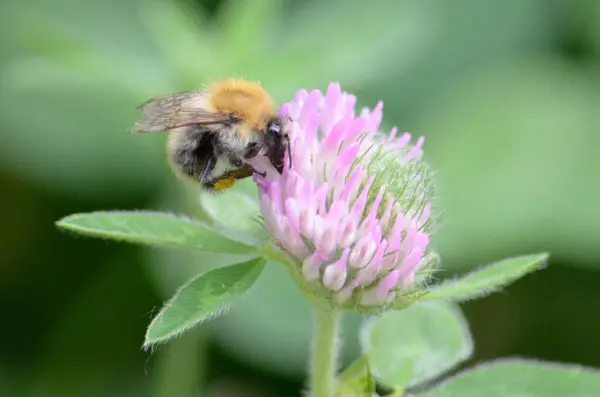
point(224, 183)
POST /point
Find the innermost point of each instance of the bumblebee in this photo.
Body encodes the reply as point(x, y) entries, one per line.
point(214, 131)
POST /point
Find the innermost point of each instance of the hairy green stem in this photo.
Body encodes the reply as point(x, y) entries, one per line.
point(324, 359)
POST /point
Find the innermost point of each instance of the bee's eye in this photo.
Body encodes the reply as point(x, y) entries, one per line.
point(274, 128)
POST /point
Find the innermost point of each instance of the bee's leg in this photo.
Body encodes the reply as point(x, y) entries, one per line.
point(243, 169)
point(221, 183)
point(209, 166)
point(252, 150)
point(223, 150)
point(235, 160)
point(244, 172)
point(228, 179)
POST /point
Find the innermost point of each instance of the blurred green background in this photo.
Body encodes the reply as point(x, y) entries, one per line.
point(506, 93)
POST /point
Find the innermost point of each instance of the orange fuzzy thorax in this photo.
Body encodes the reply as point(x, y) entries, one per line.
point(245, 99)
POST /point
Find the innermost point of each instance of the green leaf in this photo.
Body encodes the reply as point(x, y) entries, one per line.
point(203, 297)
point(521, 378)
point(356, 380)
point(153, 228)
point(487, 279)
point(416, 344)
point(235, 211)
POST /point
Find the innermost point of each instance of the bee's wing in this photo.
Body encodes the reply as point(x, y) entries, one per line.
point(176, 110)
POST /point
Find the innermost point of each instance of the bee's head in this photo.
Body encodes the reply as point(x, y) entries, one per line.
point(277, 142)
point(274, 129)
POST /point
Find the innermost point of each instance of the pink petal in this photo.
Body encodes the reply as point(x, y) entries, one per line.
point(347, 231)
point(411, 261)
point(362, 252)
point(292, 211)
point(334, 276)
point(359, 205)
point(385, 217)
point(416, 150)
point(380, 293)
point(328, 240)
point(396, 232)
point(310, 267)
point(368, 274)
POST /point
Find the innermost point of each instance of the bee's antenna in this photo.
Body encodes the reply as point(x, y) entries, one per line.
point(289, 148)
